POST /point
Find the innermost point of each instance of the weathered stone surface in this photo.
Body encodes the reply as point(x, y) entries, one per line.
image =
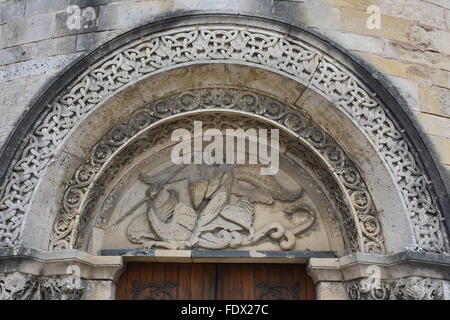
point(44, 49)
point(442, 146)
point(331, 291)
point(412, 49)
point(355, 21)
point(90, 41)
point(434, 125)
point(5, 130)
point(430, 39)
point(442, 3)
point(417, 54)
point(435, 100)
point(120, 15)
point(10, 114)
point(441, 78)
point(33, 28)
point(309, 12)
point(409, 90)
point(36, 67)
point(11, 96)
point(416, 10)
point(76, 21)
point(356, 42)
point(36, 7)
point(100, 290)
point(398, 68)
point(354, 4)
point(11, 10)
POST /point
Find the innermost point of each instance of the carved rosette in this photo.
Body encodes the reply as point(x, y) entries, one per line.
point(356, 193)
point(413, 288)
point(211, 42)
point(18, 286)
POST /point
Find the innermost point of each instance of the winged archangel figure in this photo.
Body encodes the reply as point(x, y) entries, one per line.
point(213, 208)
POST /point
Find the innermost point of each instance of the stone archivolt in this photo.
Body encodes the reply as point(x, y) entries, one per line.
point(220, 43)
point(364, 221)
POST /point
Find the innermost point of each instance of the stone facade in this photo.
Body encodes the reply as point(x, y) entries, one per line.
point(410, 48)
point(384, 180)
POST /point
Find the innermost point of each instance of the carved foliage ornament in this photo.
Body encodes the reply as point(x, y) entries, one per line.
point(419, 289)
point(208, 218)
point(18, 286)
point(413, 288)
point(219, 43)
point(368, 289)
point(65, 229)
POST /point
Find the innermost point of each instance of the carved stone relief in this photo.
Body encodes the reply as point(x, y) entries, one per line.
point(357, 194)
point(152, 291)
point(228, 206)
point(18, 286)
point(217, 211)
point(413, 288)
point(368, 289)
point(207, 43)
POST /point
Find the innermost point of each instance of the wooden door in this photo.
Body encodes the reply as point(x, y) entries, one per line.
point(263, 282)
point(167, 281)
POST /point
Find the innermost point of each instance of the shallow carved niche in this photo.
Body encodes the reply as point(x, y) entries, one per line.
point(161, 205)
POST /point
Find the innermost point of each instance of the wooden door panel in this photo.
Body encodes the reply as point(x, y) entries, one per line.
point(263, 282)
point(165, 281)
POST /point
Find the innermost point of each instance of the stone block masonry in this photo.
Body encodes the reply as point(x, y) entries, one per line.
point(412, 46)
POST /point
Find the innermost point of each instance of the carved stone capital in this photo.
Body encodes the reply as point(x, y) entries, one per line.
point(414, 288)
point(19, 286)
point(221, 43)
point(368, 289)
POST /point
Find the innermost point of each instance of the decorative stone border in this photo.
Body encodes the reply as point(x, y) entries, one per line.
point(362, 225)
point(227, 44)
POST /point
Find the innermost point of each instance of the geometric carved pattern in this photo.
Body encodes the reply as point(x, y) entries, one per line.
point(355, 189)
point(219, 43)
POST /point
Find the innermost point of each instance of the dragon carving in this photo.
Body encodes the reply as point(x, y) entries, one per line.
point(214, 208)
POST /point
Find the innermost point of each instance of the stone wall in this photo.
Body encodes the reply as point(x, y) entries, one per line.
point(40, 38)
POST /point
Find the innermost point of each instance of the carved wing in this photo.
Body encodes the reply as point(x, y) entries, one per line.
point(268, 184)
point(166, 210)
point(241, 213)
point(197, 191)
point(185, 216)
point(213, 208)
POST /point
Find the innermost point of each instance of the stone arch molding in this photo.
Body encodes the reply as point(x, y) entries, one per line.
point(235, 42)
point(359, 218)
